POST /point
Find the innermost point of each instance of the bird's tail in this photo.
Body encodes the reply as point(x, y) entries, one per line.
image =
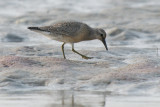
point(34, 28)
point(39, 30)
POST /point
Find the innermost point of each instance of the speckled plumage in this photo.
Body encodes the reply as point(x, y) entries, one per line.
point(69, 32)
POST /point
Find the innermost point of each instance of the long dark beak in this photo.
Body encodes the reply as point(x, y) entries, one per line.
point(104, 42)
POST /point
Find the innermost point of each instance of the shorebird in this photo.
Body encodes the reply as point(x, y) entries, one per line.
point(72, 32)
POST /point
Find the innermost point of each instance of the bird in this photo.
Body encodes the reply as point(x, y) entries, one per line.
point(72, 32)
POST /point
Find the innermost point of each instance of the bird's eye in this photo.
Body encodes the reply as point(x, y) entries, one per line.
point(102, 35)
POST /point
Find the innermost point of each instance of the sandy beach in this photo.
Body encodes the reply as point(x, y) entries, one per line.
point(31, 65)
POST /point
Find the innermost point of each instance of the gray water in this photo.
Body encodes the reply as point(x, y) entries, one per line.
point(54, 99)
point(63, 98)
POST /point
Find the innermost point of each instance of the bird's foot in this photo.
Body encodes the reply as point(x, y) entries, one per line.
point(86, 57)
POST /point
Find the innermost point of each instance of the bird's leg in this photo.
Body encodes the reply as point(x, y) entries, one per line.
point(63, 50)
point(83, 56)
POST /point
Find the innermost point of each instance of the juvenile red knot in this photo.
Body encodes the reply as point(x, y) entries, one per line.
point(72, 32)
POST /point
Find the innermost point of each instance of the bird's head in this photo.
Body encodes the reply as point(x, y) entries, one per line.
point(101, 35)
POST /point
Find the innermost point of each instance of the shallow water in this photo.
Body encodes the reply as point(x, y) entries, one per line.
point(63, 98)
point(53, 99)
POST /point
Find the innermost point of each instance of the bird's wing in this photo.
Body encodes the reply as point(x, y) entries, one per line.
point(66, 29)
